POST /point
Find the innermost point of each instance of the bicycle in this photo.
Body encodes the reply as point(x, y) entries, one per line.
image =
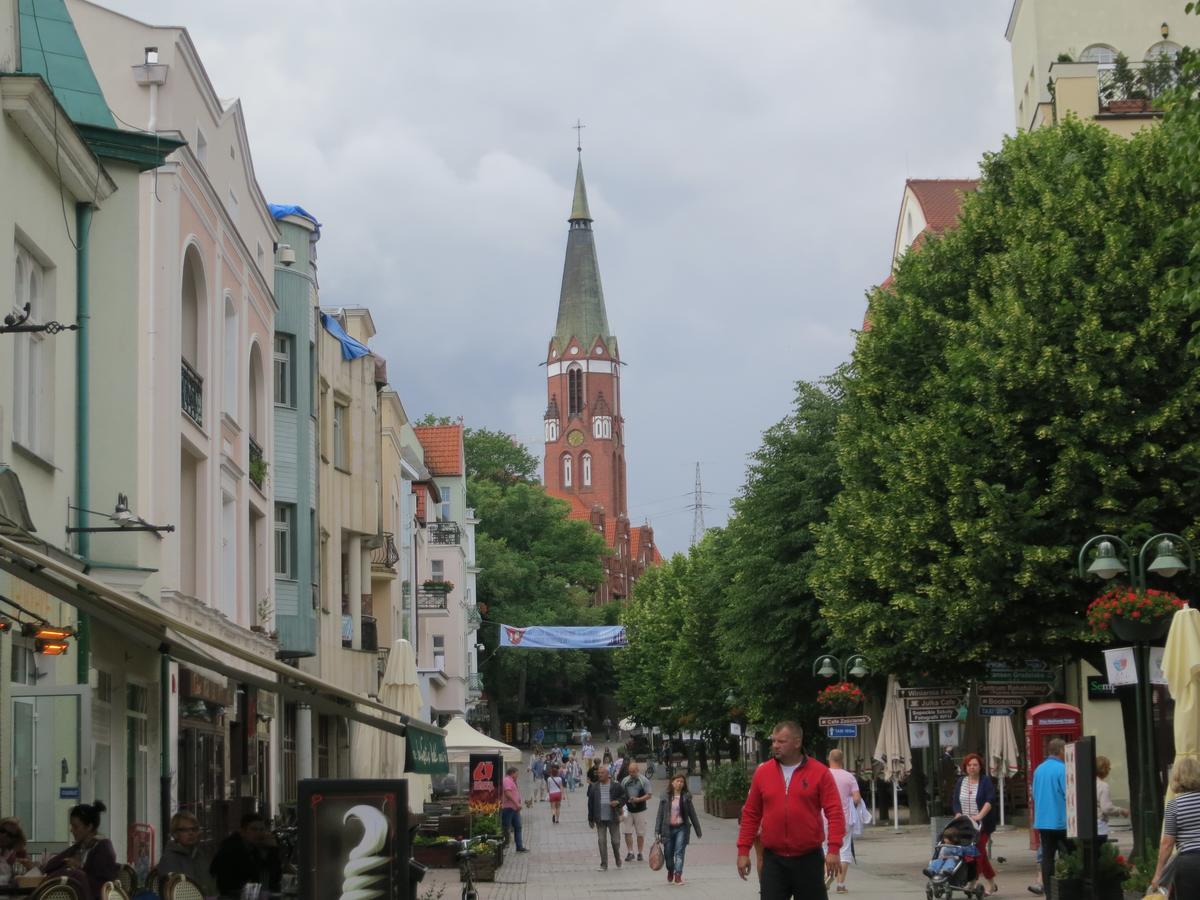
point(466, 853)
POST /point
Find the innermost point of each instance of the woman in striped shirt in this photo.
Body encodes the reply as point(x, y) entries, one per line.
point(1181, 829)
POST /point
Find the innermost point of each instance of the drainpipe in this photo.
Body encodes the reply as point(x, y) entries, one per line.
point(164, 743)
point(83, 226)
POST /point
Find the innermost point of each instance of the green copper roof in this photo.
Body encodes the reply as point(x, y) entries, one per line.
point(50, 47)
point(579, 208)
point(581, 312)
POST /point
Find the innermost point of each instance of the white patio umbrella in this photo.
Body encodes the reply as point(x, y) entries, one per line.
point(401, 690)
point(1002, 752)
point(1181, 665)
point(892, 749)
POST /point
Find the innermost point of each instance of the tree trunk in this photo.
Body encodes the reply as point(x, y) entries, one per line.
point(704, 757)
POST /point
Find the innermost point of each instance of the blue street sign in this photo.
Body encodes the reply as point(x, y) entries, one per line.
point(68, 793)
point(995, 710)
point(843, 731)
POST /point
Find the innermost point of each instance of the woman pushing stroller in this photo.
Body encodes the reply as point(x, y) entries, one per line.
point(975, 797)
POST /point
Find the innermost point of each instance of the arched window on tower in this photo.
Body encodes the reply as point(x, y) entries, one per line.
point(585, 463)
point(574, 391)
point(566, 470)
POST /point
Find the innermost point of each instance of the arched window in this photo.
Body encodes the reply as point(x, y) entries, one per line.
point(1099, 53)
point(586, 464)
point(574, 391)
point(1169, 49)
point(192, 303)
point(551, 430)
point(566, 470)
point(258, 400)
point(232, 356)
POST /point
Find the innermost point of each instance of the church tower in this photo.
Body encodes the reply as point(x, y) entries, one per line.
point(584, 429)
point(585, 454)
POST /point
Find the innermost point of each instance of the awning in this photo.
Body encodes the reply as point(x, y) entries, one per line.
point(150, 626)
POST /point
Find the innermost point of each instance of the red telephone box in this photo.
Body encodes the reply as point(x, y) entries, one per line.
point(1042, 724)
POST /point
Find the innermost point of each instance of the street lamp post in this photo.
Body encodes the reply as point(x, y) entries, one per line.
point(1107, 563)
point(852, 666)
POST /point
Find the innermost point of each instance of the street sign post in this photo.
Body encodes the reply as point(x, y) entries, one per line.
point(843, 731)
point(1002, 700)
point(996, 710)
point(932, 702)
point(829, 721)
point(938, 714)
point(928, 692)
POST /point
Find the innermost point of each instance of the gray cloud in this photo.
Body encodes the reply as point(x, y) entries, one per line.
point(745, 163)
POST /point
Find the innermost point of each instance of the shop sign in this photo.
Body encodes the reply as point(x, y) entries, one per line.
point(194, 686)
point(486, 770)
point(425, 753)
point(1098, 688)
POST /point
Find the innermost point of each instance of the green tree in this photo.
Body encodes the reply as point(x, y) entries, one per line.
point(498, 457)
point(1026, 383)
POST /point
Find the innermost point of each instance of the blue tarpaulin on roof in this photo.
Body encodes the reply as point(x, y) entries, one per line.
point(351, 349)
point(283, 210)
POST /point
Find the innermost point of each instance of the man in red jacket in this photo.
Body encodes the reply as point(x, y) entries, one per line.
point(787, 795)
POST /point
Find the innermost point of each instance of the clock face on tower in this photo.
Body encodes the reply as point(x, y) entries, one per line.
point(575, 437)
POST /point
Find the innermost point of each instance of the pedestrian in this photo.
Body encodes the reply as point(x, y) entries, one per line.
point(975, 797)
point(608, 729)
point(673, 826)
point(593, 771)
point(537, 770)
point(554, 787)
point(607, 759)
point(248, 856)
point(606, 800)
point(637, 789)
point(184, 855)
point(1104, 804)
point(1050, 807)
point(1181, 829)
point(588, 751)
point(12, 841)
point(91, 855)
point(510, 809)
point(787, 795)
point(851, 799)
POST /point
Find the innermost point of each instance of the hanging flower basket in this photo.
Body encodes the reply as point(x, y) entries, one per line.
point(840, 697)
point(1133, 615)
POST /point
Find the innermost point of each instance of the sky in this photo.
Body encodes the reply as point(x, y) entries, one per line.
point(745, 164)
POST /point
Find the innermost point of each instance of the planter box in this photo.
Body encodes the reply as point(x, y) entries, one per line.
point(483, 868)
point(1127, 106)
point(724, 809)
point(1070, 889)
point(436, 856)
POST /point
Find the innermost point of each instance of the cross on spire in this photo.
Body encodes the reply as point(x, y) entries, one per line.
point(578, 128)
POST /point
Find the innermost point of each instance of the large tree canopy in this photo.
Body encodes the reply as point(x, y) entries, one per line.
point(1026, 383)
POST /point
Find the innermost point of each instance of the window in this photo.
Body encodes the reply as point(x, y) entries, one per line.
point(341, 436)
point(285, 533)
point(33, 360)
point(437, 570)
point(232, 356)
point(566, 470)
point(444, 515)
point(574, 391)
point(439, 651)
point(285, 392)
point(586, 464)
point(1099, 53)
point(1169, 49)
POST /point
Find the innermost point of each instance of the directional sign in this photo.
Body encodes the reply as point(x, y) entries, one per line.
point(1015, 688)
point(996, 710)
point(998, 700)
point(843, 731)
point(914, 692)
point(932, 702)
point(942, 714)
point(829, 721)
point(1029, 670)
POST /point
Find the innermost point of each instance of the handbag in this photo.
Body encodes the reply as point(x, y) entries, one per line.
point(657, 858)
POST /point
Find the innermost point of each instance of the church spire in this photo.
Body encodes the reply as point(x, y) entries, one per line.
point(581, 312)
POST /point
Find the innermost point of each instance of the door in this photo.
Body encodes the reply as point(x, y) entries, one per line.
point(49, 775)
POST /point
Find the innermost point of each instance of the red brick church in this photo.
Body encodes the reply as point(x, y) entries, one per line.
point(585, 431)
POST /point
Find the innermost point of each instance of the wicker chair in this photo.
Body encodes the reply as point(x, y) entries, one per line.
point(61, 888)
point(128, 878)
point(180, 887)
point(112, 890)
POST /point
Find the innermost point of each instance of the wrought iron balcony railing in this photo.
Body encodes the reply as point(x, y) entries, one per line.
point(386, 556)
point(257, 469)
point(192, 394)
point(1134, 86)
point(444, 533)
point(427, 599)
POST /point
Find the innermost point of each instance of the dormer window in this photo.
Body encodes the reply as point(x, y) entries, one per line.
point(574, 391)
point(602, 427)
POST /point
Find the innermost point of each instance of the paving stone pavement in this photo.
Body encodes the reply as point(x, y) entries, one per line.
point(563, 862)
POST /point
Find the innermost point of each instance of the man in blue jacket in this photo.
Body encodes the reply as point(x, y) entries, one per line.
point(1050, 807)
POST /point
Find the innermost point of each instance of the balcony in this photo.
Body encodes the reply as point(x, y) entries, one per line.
point(475, 683)
point(1132, 87)
point(258, 466)
point(192, 394)
point(427, 599)
point(444, 533)
point(387, 556)
point(370, 634)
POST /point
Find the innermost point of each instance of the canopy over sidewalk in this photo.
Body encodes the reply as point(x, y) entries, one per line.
point(462, 740)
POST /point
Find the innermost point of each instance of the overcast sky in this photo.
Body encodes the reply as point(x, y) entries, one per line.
point(745, 164)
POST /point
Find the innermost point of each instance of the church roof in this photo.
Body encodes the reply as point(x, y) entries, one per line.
point(443, 448)
point(581, 312)
point(50, 47)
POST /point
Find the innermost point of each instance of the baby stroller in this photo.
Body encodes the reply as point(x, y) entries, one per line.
point(953, 865)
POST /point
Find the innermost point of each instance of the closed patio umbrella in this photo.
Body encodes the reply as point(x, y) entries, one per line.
point(892, 749)
point(1181, 665)
point(401, 691)
point(1002, 752)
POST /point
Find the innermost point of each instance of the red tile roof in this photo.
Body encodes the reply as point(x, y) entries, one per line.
point(443, 448)
point(941, 199)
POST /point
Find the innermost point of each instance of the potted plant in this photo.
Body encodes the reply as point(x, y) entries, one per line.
point(443, 587)
point(1133, 615)
point(842, 697)
point(489, 857)
point(1127, 93)
point(258, 471)
point(1112, 871)
point(435, 851)
point(725, 791)
point(1068, 875)
point(264, 610)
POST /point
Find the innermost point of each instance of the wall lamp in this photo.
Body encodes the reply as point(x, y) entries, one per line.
point(121, 516)
point(17, 323)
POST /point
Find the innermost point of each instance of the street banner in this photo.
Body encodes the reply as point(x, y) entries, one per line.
point(564, 637)
point(1118, 665)
point(918, 735)
point(353, 838)
point(948, 734)
point(486, 777)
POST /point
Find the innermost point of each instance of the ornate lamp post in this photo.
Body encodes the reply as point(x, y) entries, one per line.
point(1113, 557)
point(851, 667)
